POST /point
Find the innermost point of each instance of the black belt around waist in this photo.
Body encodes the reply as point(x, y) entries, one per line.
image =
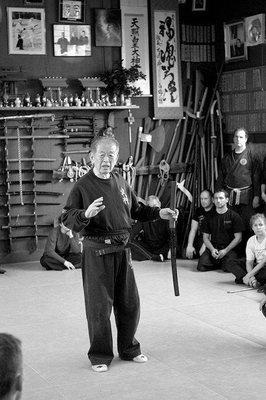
point(101, 249)
point(236, 194)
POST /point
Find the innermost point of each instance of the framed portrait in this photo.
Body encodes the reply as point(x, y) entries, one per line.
point(135, 43)
point(71, 11)
point(108, 30)
point(199, 5)
point(26, 30)
point(72, 40)
point(255, 29)
point(167, 88)
point(234, 41)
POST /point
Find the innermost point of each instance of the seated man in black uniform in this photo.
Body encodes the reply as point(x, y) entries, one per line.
point(222, 232)
point(195, 245)
point(62, 250)
point(150, 240)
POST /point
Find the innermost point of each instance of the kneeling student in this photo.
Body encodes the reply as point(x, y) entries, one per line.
point(222, 232)
point(256, 253)
point(62, 250)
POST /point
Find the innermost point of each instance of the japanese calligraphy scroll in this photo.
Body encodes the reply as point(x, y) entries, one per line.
point(167, 89)
point(135, 45)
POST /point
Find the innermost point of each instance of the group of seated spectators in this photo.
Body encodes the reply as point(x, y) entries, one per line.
point(228, 230)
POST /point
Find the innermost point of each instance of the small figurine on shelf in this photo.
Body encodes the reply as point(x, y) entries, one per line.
point(44, 100)
point(97, 95)
point(87, 103)
point(65, 102)
point(71, 101)
point(17, 102)
point(122, 99)
point(5, 100)
point(114, 100)
point(27, 100)
point(107, 101)
point(83, 100)
point(38, 100)
point(76, 100)
point(90, 96)
point(49, 103)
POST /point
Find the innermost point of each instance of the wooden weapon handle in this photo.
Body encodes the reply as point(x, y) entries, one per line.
point(173, 239)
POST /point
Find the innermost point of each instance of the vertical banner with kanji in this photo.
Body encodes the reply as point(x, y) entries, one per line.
point(167, 89)
point(135, 43)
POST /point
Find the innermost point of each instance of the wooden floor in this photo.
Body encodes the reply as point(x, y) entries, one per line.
point(205, 344)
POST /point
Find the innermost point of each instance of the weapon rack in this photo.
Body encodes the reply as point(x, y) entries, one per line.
point(33, 145)
point(31, 148)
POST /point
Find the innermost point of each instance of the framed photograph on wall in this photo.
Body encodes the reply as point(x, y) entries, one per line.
point(234, 41)
point(255, 29)
point(72, 40)
point(108, 30)
point(26, 30)
point(71, 11)
point(199, 5)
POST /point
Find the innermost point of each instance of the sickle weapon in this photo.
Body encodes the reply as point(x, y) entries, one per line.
point(172, 226)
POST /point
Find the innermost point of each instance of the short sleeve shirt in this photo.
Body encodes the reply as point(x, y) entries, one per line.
point(200, 214)
point(255, 251)
point(222, 227)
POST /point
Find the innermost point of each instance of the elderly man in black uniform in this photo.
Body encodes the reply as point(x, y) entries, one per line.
point(240, 175)
point(102, 205)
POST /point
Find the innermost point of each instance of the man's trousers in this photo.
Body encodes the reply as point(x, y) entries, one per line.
point(109, 282)
point(228, 263)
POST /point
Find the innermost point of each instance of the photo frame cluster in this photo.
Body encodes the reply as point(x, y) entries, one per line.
point(241, 34)
point(27, 30)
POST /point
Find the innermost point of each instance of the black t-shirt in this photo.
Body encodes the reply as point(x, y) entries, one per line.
point(222, 227)
point(200, 215)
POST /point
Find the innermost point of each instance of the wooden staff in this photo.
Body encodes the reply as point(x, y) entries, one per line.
point(144, 140)
point(173, 140)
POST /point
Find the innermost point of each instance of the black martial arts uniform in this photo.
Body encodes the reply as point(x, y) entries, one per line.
point(240, 175)
point(150, 239)
point(221, 227)
point(108, 278)
point(60, 248)
point(199, 216)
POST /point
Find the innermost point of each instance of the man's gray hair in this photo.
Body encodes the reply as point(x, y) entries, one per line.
point(101, 139)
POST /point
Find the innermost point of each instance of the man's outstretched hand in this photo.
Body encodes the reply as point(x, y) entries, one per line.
point(167, 213)
point(94, 208)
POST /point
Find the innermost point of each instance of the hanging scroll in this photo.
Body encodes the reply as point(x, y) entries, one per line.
point(167, 88)
point(135, 47)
